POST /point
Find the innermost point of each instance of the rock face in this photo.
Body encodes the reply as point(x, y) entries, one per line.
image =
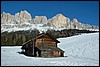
point(59, 21)
point(76, 24)
point(7, 18)
point(18, 18)
point(40, 20)
point(24, 19)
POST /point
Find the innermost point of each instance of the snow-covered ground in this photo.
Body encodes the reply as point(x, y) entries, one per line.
point(80, 50)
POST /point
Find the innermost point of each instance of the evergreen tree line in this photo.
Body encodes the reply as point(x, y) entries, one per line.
point(19, 37)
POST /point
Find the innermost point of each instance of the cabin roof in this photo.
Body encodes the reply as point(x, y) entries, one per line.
point(49, 36)
point(26, 43)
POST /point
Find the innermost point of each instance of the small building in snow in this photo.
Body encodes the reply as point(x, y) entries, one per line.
point(42, 46)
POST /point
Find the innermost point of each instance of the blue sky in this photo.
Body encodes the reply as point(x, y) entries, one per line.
point(85, 11)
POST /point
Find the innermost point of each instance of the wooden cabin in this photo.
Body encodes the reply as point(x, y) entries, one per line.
point(42, 46)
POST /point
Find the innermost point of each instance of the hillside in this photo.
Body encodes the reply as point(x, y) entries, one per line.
point(80, 50)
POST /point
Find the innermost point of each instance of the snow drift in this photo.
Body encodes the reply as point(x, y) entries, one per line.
point(80, 50)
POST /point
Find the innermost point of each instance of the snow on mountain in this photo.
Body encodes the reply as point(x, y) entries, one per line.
point(59, 21)
point(80, 50)
point(23, 20)
point(24, 27)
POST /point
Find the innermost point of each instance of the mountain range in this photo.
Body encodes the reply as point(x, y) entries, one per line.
point(24, 21)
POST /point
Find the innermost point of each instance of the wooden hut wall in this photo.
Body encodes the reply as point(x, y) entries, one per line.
point(56, 53)
point(46, 53)
point(59, 53)
point(46, 41)
point(50, 53)
point(29, 49)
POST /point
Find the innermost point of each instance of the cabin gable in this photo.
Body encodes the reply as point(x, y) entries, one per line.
point(45, 40)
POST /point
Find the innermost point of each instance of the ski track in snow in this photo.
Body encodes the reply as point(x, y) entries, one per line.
point(80, 50)
point(82, 46)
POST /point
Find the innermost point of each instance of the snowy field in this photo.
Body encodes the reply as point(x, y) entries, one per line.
point(80, 50)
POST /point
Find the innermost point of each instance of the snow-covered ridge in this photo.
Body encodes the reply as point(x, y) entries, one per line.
point(24, 27)
point(24, 21)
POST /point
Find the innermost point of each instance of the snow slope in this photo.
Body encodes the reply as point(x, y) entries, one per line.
point(80, 50)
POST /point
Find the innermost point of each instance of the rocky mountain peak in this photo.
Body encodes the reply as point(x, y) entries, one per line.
point(59, 21)
point(40, 19)
point(24, 19)
point(75, 20)
point(18, 18)
point(60, 16)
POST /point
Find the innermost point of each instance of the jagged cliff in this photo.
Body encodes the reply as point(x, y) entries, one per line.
point(23, 21)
